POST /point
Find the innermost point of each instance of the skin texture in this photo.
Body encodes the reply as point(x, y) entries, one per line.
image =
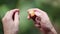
point(41, 21)
point(11, 22)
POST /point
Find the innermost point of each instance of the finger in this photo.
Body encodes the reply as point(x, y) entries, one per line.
point(37, 25)
point(37, 13)
point(37, 19)
point(16, 18)
point(12, 11)
point(28, 17)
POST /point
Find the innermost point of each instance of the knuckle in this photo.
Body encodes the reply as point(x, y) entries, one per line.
point(2, 19)
point(5, 19)
point(38, 19)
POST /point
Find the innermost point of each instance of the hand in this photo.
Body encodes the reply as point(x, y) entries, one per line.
point(11, 22)
point(41, 20)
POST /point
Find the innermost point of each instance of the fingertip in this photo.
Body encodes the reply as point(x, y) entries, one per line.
point(16, 17)
point(16, 10)
point(28, 17)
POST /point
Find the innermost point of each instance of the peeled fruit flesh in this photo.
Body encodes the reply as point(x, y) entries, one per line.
point(31, 13)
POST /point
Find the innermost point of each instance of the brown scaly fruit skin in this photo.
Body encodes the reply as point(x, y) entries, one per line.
point(41, 21)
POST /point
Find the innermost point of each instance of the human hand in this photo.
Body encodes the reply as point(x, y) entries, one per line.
point(41, 20)
point(11, 21)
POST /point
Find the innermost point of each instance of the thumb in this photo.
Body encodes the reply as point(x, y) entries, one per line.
point(16, 18)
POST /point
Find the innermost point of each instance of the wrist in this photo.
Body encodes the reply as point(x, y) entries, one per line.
point(53, 31)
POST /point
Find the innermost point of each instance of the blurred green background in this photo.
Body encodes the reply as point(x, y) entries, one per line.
point(52, 7)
